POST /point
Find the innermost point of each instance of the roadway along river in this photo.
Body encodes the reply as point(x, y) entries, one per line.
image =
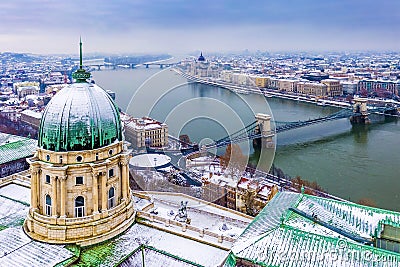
point(350, 162)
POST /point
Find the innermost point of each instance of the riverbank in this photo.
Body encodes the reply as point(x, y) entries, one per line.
point(247, 89)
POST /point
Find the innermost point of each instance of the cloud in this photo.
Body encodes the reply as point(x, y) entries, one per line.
point(158, 24)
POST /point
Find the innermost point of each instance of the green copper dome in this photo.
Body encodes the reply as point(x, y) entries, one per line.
point(82, 116)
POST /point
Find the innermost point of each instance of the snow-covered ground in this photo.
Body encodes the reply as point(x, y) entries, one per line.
point(204, 220)
point(193, 203)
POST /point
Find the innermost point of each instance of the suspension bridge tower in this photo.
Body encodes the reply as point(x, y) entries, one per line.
point(360, 112)
point(264, 126)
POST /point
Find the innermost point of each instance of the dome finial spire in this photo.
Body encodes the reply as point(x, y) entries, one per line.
point(80, 52)
point(80, 75)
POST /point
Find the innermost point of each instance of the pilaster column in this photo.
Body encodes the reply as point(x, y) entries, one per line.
point(54, 196)
point(124, 178)
point(34, 191)
point(103, 192)
point(63, 196)
point(95, 196)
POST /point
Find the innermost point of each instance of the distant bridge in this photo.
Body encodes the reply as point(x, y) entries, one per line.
point(108, 65)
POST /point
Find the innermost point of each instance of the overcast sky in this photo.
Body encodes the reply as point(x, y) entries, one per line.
point(142, 26)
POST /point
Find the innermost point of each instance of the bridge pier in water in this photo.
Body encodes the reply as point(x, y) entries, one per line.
point(264, 126)
point(360, 112)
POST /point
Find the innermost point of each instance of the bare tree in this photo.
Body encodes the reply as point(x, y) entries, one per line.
point(367, 202)
point(233, 161)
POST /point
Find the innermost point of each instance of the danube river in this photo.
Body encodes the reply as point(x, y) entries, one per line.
point(350, 162)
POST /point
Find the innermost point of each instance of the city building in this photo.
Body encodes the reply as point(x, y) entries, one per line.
point(11, 113)
point(315, 76)
point(333, 87)
point(31, 117)
point(349, 87)
point(30, 86)
point(273, 83)
point(252, 196)
point(203, 69)
point(142, 132)
point(79, 174)
point(379, 87)
point(288, 85)
point(24, 91)
point(247, 195)
point(226, 76)
point(261, 81)
point(219, 190)
point(312, 88)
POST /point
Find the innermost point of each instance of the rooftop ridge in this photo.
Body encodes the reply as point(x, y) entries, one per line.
point(354, 223)
point(294, 244)
point(352, 204)
point(334, 240)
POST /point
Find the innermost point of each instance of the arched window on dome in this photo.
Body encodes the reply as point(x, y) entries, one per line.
point(111, 198)
point(79, 206)
point(47, 205)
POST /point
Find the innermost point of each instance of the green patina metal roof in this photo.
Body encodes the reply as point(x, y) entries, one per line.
point(81, 116)
point(320, 233)
point(16, 148)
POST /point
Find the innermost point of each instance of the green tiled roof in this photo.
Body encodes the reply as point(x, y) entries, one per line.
point(279, 236)
point(17, 149)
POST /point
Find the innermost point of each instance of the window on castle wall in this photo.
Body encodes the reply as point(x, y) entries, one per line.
point(111, 198)
point(47, 178)
point(79, 158)
point(111, 173)
point(79, 206)
point(78, 180)
point(48, 205)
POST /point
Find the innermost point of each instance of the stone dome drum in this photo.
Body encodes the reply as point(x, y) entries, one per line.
point(82, 116)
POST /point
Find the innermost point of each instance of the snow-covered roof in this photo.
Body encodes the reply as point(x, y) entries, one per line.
point(302, 230)
point(145, 123)
point(32, 113)
point(15, 147)
point(16, 248)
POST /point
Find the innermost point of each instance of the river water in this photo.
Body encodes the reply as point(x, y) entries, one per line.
point(347, 161)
